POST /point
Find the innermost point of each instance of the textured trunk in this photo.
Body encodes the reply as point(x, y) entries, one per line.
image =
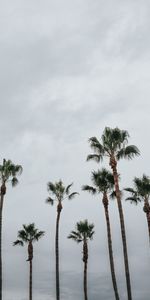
point(3, 192)
point(59, 208)
point(30, 281)
point(122, 224)
point(30, 257)
point(112, 267)
point(146, 209)
point(85, 260)
point(1, 249)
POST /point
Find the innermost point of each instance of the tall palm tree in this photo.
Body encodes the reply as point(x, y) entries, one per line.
point(8, 172)
point(28, 235)
point(114, 146)
point(59, 192)
point(141, 191)
point(83, 233)
point(103, 182)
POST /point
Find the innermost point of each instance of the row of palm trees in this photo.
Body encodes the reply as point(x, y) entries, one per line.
point(113, 146)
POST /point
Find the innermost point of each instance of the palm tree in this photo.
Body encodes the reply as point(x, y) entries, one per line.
point(103, 182)
point(141, 191)
point(114, 146)
point(8, 172)
point(83, 233)
point(28, 235)
point(59, 192)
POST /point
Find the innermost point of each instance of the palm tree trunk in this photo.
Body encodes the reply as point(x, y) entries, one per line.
point(3, 192)
point(122, 224)
point(146, 209)
point(111, 259)
point(59, 208)
point(1, 247)
point(85, 260)
point(30, 281)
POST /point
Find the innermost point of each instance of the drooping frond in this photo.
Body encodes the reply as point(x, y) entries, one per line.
point(89, 188)
point(96, 145)
point(128, 152)
point(67, 190)
point(18, 242)
point(14, 181)
point(38, 235)
point(95, 157)
point(134, 200)
point(72, 195)
point(76, 236)
point(50, 200)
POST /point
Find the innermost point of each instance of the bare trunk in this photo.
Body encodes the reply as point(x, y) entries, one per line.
point(1, 248)
point(111, 259)
point(122, 224)
point(2, 193)
point(146, 209)
point(30, 281)
point(85, 260)
point(59, 208)
point(30, 257)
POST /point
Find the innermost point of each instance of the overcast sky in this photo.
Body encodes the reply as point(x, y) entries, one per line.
point(68, 69)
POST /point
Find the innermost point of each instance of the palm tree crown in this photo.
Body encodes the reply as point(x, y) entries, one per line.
point(113, 143)
point(10, 170)
point(84, 230)
point(59, 192)
point(141, 190)
point(28, 234)
point(103, 182)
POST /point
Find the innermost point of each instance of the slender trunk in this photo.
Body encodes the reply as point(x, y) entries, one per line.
point(1, 247)
point(111, 259)
point(122, 224)
point(30, 281)
point(30, 257)
point(146, 209)
point(2, 193)
point(59, 208)
point(85, 260)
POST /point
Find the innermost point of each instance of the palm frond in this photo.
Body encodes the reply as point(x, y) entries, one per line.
point(128, 152)
point(18, 242)
point(38, 235)
point(50, 200)
point(72, 195)
point(14, 181)
point(131, 190)
point(51, 187)
point(133, 199)
point(90, 189)
point(68, 188)
point(95, 157)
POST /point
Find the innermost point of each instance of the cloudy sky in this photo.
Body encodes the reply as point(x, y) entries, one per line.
point(68, 69)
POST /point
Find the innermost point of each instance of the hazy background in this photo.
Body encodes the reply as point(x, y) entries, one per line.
point(68, 69)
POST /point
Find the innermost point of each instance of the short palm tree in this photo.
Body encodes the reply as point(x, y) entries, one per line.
point(103, 182)
point(141, 191)
point(84, 232)
point(114, 147)
point(8, 172)
point(59, 193)
point(28, 235)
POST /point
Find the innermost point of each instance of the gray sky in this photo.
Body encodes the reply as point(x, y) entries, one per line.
point(68, 69)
